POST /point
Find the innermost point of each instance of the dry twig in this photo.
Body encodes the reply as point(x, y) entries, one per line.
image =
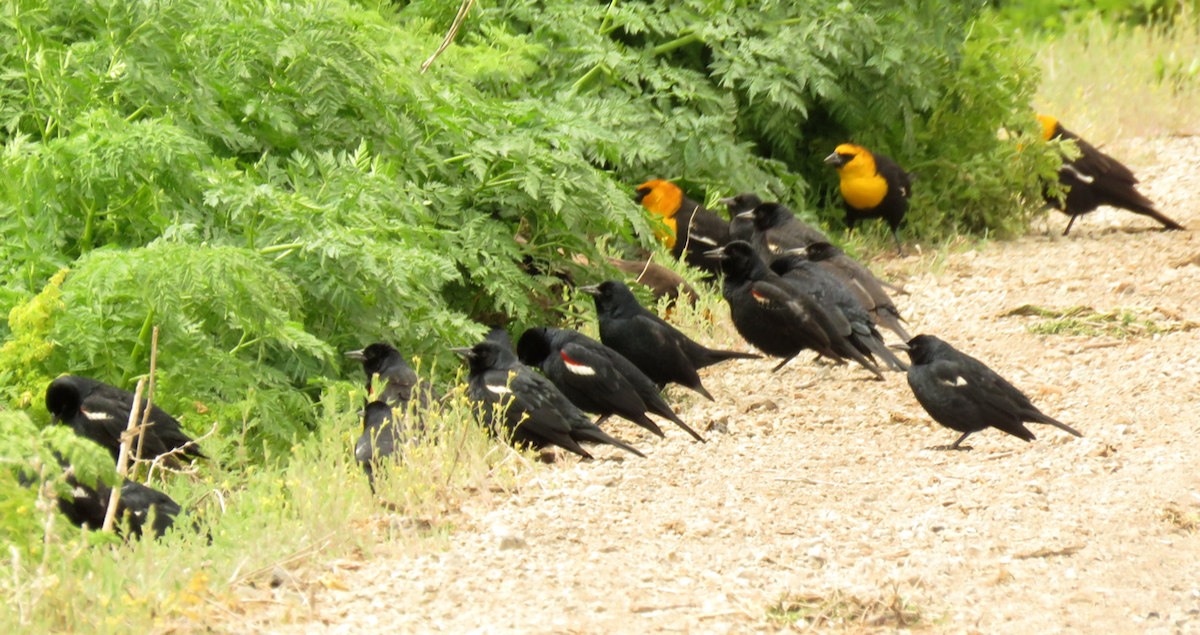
point(458, 20)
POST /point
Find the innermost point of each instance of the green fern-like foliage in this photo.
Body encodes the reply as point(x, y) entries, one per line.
point(273, 183)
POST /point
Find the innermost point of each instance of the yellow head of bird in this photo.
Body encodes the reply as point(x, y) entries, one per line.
point(1049, 126)
point(852, 161)
point(660, 197)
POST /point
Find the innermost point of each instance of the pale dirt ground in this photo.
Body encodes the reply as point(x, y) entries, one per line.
point(816, 482)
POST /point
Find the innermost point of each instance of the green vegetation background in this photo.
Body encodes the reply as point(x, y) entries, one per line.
point(272, 183)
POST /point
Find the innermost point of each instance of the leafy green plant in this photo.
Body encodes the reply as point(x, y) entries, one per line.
point(1086, 321)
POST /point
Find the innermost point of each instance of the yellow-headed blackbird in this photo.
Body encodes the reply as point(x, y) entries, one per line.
point(100, 412)
point(1096, 179)
point(873, 186)
point(694, 229)
point(963, 394)
point(525, 408)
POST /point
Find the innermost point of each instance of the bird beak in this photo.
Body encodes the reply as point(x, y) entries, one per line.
point(898, 346)
point(356, 355)
point(728, 200)
point(591, 290)
point(464, 352)
point(718, 253)
point(797, 251)
point(836, 160)
point(746, 214)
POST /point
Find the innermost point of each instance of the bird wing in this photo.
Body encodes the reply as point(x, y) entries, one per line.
point(592, 371)
point(1092, 162)
point(798, 316)
point(974, 381)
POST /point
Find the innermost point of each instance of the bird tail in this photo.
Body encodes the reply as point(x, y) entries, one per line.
point(891, 322)
point(666, 413)
point(879, 349)
point(596, 435)
point(714, 356)
point(647, 423)
point(1139, 204)
point(1040, 417)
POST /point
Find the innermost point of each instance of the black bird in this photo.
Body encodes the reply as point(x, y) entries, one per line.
point(873, 186)
point(1094, 179)
point(380, 437)
point(661, 281)
point(776, 230)
point(862, 283)
point(694, 229)
point(658, 349)
point(87, 505)
point(963, 394)
point(100, 412)
point(398, 383)
point(741, 227)
point(774, 316)
point(832, 295)
point(596, 378)
point(535, 412)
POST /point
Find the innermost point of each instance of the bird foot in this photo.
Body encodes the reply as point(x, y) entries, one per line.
point(548, 456)
point(950, 448)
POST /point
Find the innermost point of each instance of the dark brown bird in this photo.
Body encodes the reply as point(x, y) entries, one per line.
point(661, 281)
point(867, 289)
point(1094, 179)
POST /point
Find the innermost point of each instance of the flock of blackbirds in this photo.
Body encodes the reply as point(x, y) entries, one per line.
point(788, 288)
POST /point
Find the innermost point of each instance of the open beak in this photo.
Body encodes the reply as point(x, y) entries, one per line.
point(718, 253)
point(591, 290)
point(356, 355)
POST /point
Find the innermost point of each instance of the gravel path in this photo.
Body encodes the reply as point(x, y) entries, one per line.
point(815, 483)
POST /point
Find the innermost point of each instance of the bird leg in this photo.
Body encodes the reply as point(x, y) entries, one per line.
point(780, 365)
point(1069, 223)
point(956, 446)
point(899, 247)
point(601, 420)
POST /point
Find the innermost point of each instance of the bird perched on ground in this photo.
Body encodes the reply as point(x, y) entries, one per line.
point(138, 504)
point(100, 412)
point(776, 230)
point(1094, 179)
point(661, 281)
point(390, 379)
point(535, 413)
point(862, 283)
point(694, 229)
point(596, 378)
point(741, 227)
point(963, 394)
point(832, 295)
point(658, 349)
point(873, 186)
point(778, 319)
point(381, 436)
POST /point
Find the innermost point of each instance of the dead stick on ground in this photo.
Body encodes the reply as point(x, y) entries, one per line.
point(123, 458)
point(149, 394)
point(458, 20)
